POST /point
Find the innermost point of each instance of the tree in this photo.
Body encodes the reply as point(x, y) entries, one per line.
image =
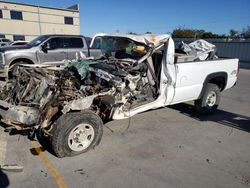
point(132, 33)
point(233, 33)
point(183, 33)
point(194, 33)
point(207, 35)
point(246, 32)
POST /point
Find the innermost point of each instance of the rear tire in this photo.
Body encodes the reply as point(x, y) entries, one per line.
point(75, 133)
point(209, 101)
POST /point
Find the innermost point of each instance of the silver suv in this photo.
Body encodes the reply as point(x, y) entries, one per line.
point(49, 49)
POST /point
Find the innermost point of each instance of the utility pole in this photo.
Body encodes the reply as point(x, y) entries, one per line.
point(39, 20)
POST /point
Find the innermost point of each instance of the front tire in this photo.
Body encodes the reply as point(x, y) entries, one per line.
point(209, 101)
point(75, 133)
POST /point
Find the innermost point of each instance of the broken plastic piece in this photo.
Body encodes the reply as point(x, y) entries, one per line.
point(82, 67)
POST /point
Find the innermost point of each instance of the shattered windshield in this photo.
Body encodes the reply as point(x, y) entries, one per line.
point(121, 48)
point(37, 41)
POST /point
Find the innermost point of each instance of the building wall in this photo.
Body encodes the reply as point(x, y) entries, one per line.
point(37, 21)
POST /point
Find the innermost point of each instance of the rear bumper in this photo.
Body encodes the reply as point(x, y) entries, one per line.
point(18, 115)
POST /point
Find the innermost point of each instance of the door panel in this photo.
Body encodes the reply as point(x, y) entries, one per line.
point(189, 81)
point(54, 51)
point(74, 45)
point(95, 52)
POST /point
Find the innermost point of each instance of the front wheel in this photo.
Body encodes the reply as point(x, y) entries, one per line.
point(209, 101)
point(75, 133)
point(13, 68)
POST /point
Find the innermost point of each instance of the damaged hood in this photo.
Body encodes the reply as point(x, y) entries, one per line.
point(146, 39)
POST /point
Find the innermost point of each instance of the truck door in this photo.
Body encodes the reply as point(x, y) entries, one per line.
point(52, 51)
point(189, 80)
point(75, 45)
point(168, 75)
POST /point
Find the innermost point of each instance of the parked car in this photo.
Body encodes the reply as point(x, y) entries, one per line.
point(18, 43)
point(45, 49)
point(138, 73)
point(4, 41)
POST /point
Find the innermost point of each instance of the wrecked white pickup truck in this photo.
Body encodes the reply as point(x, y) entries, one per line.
point(137, 73)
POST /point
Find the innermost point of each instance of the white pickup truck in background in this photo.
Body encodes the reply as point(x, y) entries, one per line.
point(137, 73)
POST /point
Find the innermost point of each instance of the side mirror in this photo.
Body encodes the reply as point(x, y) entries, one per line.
point(44, 47)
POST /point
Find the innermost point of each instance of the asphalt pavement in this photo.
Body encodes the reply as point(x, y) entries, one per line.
point(167, 147)
point(3, 143)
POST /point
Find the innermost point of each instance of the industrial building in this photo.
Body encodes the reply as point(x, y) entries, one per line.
point(19, 21)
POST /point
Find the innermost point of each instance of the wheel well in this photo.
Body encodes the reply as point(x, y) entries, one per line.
point(220, 81)
point(28, 61)
point(218, 78)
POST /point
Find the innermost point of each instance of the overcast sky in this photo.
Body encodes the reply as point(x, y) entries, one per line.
point(157, 16)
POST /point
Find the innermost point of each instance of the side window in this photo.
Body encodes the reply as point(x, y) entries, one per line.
point(20, 43)
point(6, 40)
point(1, 14)
point(16, 15)
point(54, 43)
point(97, 43)
point(73, 43)
point(2, 36)
point(18, 37)
point(68, 20)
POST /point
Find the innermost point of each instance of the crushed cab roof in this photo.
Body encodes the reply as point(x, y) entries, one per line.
point(147, 39)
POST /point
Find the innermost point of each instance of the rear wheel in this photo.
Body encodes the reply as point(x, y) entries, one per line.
point(75, 133)
point(209, 101)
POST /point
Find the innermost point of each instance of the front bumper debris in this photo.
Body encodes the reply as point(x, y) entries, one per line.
point(18, 115)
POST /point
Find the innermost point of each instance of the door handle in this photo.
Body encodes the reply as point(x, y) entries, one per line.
point(62, 52)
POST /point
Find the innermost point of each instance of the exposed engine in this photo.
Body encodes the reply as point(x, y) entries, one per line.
point(103, 84)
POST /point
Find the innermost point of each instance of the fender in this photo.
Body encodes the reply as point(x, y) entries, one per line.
point(25, 59)
point(212, 76)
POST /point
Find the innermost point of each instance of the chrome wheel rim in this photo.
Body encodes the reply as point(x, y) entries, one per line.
point(80, 137)
point(211, 99)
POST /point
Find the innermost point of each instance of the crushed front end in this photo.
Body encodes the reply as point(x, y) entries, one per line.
point(35, 94)
point(126, 77)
